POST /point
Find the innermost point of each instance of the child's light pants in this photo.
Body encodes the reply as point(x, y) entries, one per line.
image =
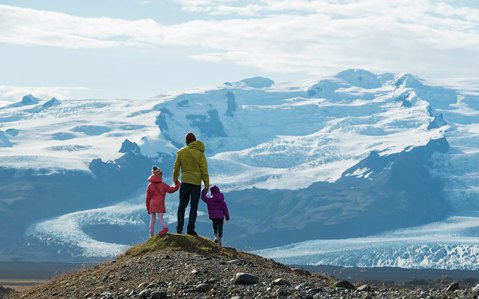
point(153, 221)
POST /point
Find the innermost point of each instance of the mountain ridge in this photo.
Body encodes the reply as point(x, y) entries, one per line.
point(340, 143)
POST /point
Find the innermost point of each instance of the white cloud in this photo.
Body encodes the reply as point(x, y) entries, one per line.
point(211, 57)
point(332, 7)
point(23, 26)
point(430, 38)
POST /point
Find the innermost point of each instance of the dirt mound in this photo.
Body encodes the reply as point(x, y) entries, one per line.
point(178, 266)
point(5, 292)
point(183, 266)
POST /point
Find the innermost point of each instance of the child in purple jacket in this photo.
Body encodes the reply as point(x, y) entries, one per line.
point(217, 210)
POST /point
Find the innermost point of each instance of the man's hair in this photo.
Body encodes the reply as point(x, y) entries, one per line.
point(190, 137)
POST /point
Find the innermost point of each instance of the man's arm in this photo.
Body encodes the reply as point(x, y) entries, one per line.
point(176, 169)
point(204, 171)
point(205, 197)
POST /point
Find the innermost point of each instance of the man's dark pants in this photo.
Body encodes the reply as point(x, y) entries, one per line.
point(188, 192)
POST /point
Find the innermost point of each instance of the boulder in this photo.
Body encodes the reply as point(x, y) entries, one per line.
point(364, 288)
point(280, 282)
point(452, 287)
point(245, 278)
point(344, 284)
point(159, 295)
point(144, 294)
point(204, 287)
point(301, 271)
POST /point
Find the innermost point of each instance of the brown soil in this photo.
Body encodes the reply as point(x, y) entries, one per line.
point(173, 263)
point(183, 266)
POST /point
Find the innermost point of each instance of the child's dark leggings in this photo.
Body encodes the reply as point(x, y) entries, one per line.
point(218, 227)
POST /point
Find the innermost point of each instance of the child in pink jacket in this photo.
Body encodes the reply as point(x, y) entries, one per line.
point(155, 199)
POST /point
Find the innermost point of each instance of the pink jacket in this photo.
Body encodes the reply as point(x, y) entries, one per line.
point(155, 194)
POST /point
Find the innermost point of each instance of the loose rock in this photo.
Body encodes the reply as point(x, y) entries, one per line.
point(364, 288)
point(301, 271)
point(452, 287)
point(344, 284)
point(235, 262)
point(281, 282)
point(159, 295)
point(204, 287)
point(106, 295)
point(245, 278)
point(145, 294)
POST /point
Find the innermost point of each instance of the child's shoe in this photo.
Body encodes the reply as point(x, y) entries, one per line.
point(163, 231)
point(151, 235)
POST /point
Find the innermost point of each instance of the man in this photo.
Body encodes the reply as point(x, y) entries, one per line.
point(191, 161)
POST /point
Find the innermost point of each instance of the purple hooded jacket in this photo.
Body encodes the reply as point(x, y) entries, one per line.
point(217, 208)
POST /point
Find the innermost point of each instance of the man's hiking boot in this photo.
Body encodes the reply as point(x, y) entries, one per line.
point(192, 232)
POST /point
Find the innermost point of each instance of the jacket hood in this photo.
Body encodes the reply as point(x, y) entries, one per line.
point(154, 179)
point(197, 145)
point(214, 190)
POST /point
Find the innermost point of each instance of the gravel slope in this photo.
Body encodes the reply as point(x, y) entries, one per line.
point(182, 266)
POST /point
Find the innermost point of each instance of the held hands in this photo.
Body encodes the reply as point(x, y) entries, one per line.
point(204, 192)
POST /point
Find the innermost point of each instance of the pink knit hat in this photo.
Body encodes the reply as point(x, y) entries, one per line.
point(156, 170)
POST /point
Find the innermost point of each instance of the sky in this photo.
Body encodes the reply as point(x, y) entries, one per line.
point(143, 48)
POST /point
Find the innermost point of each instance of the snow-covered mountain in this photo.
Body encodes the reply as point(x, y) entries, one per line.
point(351, 156)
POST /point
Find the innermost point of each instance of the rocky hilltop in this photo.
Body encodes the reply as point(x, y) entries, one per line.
point(183, 266)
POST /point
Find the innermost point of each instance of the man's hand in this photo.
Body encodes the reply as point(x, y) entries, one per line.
point(177, 182)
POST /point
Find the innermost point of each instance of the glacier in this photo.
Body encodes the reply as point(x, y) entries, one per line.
point(449, 244)
point(372, 159)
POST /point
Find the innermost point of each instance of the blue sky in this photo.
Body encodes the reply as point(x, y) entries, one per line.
point(142, 48)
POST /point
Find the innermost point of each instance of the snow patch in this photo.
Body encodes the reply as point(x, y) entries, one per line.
point(4, 142)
